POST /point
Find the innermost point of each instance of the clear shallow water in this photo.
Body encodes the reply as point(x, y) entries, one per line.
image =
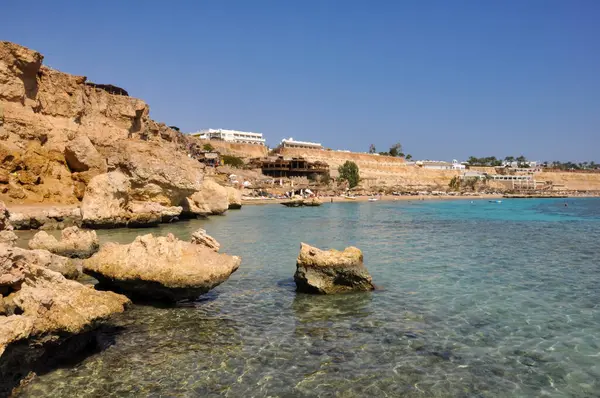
point(476, 300)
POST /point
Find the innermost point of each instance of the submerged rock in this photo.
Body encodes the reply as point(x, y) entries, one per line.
point(331, 271)
point(200, 237)
point(73, 243)
point(160, 268)
point(38, 307)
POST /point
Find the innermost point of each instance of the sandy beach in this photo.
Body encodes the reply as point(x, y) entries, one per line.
point(383, 198)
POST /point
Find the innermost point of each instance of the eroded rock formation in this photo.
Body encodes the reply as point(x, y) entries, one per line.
point(200, 237)
point(211, 199)
point(58, 132)
point(160, 268)
point(74, 243)
point(67, 267)
point(235, 198)
point(331, 271)
point(39, 307)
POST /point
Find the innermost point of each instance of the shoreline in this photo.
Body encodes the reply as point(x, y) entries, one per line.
point(383, 198)
point(393, 198)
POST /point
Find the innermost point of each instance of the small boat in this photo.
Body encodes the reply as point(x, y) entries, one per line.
point(373, 199)
point(495, 201)
point(348, 197)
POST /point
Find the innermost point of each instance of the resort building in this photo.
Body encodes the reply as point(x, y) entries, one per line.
point(440, 165)
point(279, 166)
point(520, 165)
point(509, 181)
point(244, 137)
point(291, 143)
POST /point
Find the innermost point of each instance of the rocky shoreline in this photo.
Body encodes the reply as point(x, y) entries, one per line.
point(49, 311)
point(75, 155)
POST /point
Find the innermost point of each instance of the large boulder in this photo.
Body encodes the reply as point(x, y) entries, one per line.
point(105, 199)
point(81, 155)
point(200, 237)
point(40, 308)
point(331, 271)
point(73, 243)
point(234, 197)
point(160, 268)
point(158, 173)
point(211, 199)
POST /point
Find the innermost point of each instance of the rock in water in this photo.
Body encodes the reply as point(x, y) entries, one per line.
point(40, 308)
point(331, 271)
point(160, 268)
point(105, 197)
point(235, 198)
point(74, 243)
point(200, 237)
point(211, 199)
point(68, 267)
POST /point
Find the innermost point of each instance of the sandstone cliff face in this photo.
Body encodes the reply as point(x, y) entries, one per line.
point(57, 132)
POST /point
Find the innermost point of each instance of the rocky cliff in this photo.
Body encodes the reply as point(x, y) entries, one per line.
point(245, 151)
point(58, 131)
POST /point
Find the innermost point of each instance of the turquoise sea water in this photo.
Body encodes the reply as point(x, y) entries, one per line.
point(476, 300)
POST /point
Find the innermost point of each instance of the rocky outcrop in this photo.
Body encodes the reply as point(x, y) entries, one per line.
point(8, 238)
point(235, 198)
point(312, 202)
point(145, 214)
point(35, 217)
point(57, 132)
point(81, 155)
point(212, 199)
point(67, 267)
point(200, 237)
point(331, 271)
point(74, 243)
point(157, 173)
point(160, 268)
point(105, 199)
point(108, 202)
point(39, 307)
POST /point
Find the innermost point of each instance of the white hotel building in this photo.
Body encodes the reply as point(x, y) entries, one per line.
point(244, 137)
point(291, 143)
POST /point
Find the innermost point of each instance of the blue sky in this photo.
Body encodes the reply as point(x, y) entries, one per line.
point(448, 79)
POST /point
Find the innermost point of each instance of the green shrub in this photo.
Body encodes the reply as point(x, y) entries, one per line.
point(349, 172)
point(232, 161)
